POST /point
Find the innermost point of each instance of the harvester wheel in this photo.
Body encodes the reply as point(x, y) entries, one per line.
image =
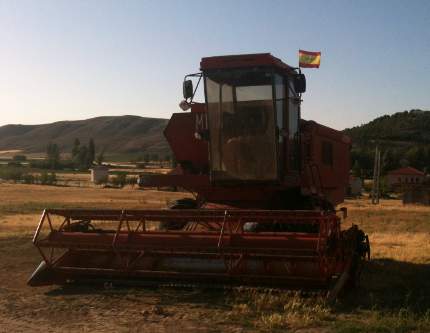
point(356, 246)
point(80, 226)
point(186, 203)
point(361, 252)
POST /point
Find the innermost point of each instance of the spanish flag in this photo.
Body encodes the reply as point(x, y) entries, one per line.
point(309, 59)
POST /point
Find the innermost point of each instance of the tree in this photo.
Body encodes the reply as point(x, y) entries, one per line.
point(174, 162)
point(44, 177)
point(52, 178)
point(101, 156)
point(167, 160)
point(154, 157)
point(420, 162)
point(75, 149)
point(53, 155)
point(389, 161)
point(120, 179)
point(82, 158)
point(413, 156)
point(356, 169)
point(91, 152)
point(364, 158)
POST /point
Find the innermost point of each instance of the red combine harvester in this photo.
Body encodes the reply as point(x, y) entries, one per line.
point(266, 184)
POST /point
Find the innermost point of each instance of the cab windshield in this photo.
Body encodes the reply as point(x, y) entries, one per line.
point(241, 124)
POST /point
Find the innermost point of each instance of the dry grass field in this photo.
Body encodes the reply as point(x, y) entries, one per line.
point(394, 295)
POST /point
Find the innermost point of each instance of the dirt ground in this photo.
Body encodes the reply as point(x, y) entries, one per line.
point(394, 295)
point(89, 308)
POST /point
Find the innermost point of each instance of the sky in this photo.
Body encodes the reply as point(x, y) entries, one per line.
point(69, 60)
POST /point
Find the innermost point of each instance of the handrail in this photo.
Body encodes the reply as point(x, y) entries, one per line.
point(39, 226)
point(231, 219)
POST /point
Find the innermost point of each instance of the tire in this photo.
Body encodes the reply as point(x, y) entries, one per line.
point(186, 203)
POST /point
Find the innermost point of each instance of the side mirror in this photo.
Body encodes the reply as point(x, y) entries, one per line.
point(187, 89)
point(299, 83)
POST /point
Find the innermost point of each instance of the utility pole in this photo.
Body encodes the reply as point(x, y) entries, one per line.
point(376, 176)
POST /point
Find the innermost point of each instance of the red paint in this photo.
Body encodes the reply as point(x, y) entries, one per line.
point(310, 53)
point(244, 60)
point(217, 238)
point(302, 247)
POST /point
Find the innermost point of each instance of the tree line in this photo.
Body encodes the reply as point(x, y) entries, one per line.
point(403, 138)
point(391, 158)
point(82, 157)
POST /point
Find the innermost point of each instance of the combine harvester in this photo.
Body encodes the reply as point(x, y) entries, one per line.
point(266, 183)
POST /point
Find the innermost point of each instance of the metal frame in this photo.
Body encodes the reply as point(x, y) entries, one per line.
point(124, 246)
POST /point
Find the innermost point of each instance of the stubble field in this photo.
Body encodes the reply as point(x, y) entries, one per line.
point(394, 295)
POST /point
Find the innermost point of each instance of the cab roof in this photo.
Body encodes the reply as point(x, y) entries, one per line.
point(244, 60)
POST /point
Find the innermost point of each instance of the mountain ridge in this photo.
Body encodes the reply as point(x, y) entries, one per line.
point(115, 134)
point(402, 135)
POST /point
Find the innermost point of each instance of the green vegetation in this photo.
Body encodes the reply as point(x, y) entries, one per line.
point(11, 173)
point(120, 179)
point(19, 158)
point(25, 175)
point(403, 137)
point(100, 156)
point(52, 156)
point(48, 178)
point(83, 156)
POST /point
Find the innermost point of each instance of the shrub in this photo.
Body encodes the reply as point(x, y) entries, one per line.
point(14, 164)
point(120, 179)
point(132, 180)
point(19, 158)
point(66, 164)
point(11, 173)
point(28, 178)
point(44, 164)
point(52, 178)
point(39, 164)
point(44, 178)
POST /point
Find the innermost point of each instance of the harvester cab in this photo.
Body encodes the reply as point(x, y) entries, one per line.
point(253, 117)
point(265, 183)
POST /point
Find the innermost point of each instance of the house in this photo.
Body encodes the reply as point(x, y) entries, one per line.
point(99, 174)
point(405, 177)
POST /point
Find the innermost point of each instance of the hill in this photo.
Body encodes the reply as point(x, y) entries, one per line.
point(403, 137)
point(402, 128)
point(118, 134)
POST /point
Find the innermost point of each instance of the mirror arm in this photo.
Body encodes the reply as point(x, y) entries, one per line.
point(195, 89)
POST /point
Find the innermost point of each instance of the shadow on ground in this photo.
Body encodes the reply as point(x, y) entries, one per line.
point(391, 285)
point(386, 285)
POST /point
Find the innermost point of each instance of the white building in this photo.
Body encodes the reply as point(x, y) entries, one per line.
point(99, 174)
